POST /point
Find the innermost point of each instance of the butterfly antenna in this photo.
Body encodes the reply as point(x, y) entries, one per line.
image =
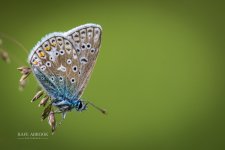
point(96, 107)
point(14, 41)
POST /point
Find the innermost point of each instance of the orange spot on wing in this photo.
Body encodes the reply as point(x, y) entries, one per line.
point(41, 54)
point(48, 48)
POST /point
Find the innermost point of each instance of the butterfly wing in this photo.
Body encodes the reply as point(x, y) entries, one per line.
point(86, 40)
point(63, 62)
point(54, 63)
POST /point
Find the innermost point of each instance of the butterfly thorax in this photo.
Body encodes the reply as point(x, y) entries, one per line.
point(68, 105)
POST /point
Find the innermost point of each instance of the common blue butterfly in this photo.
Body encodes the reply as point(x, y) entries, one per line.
point(62, 63)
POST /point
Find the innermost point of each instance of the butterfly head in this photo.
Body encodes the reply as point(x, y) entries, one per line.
point(79, 105)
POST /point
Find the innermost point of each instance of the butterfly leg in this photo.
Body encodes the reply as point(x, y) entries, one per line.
point(63, 117)
point(58, 112)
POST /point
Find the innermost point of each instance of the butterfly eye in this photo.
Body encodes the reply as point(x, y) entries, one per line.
point(74, 68)
point(80, 105)
point(42, 78)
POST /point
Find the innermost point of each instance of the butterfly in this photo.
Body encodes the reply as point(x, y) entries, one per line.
point(62, 63)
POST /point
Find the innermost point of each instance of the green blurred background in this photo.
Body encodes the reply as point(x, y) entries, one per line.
point(160, 74)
